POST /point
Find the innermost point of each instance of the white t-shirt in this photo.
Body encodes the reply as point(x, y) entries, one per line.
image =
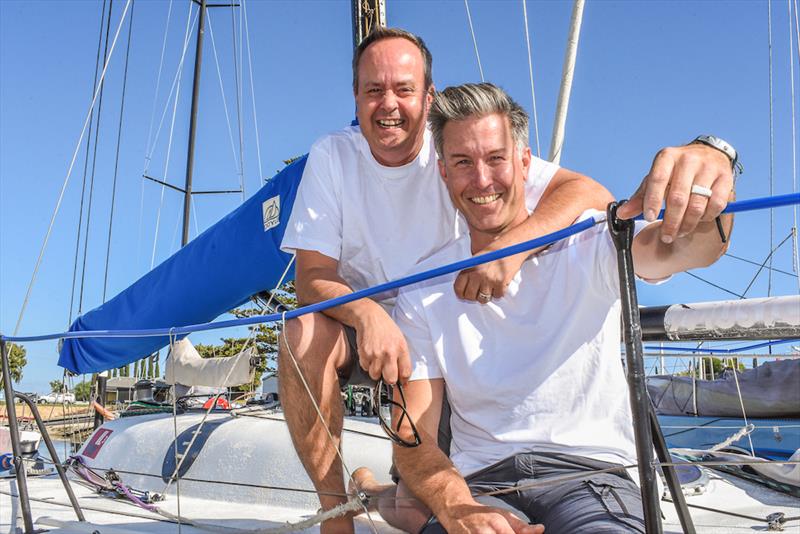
point(377, 221)
point(539, 369)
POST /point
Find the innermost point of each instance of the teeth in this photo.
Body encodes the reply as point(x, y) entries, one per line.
point(486, 199)
point(390, 123)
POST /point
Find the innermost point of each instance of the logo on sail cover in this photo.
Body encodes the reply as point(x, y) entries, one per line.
point(271, 210)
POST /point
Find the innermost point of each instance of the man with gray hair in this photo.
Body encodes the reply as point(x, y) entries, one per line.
point(534, 379)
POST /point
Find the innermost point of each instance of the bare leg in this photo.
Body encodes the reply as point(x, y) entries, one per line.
point(318, 344)
point(396, 504)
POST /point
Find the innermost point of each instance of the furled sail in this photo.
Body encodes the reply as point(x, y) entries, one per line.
point(220, 269)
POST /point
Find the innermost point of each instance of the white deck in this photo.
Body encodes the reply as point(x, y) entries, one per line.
point(257, 450)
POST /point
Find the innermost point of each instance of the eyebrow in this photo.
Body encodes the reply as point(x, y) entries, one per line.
point(500, 150)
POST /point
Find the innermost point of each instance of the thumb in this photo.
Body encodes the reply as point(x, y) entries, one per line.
point(521, 527)
point(632, 207)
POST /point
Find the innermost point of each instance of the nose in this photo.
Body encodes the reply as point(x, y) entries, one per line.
point(389, 101)
point(482, 178)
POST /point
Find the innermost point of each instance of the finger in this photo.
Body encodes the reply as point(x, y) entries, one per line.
point(460, 284)
point(695, 208)
point(404, 368)
point(518, 525)
point(720, 194)
point(389, 369)
point(678, 197)
point(375, 369)
point(472, 288)
point(656, 182)
point(633, 206)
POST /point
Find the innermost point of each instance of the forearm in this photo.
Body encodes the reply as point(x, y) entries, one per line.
point(433, 478)
point(569, 195)
point(654, 260)
point(318, 284)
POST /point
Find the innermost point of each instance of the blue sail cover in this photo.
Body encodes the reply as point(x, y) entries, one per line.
point(217, 271)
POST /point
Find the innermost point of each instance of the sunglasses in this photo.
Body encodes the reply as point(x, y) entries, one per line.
point(393, 433)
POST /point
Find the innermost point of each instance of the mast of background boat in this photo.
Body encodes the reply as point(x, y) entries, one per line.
point(366, 15)
point(557, 141)
point(198, 62)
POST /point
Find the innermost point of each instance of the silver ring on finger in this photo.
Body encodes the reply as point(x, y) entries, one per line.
point(484, 297)
point(701, 191)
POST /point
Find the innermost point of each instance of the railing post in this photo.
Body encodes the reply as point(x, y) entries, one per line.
point(622, 235)
point(16, 449)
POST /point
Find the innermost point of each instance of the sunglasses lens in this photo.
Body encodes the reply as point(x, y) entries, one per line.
point(386, 426)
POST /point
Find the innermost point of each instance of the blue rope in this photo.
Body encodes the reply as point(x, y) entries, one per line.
point(734, 207)
point(720, 350)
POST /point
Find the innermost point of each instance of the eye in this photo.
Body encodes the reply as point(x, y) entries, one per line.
point(406, 90)
point(462, 163)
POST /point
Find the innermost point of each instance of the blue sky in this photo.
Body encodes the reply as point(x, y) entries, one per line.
point(649, 74)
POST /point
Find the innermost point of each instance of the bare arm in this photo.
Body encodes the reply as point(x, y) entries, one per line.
point(382, 348)
point(567, 196)
point(653, 259)
point(433, 478)
point(673, 173)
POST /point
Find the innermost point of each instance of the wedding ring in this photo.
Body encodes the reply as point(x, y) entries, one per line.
point(484, 297)
point(702, 191)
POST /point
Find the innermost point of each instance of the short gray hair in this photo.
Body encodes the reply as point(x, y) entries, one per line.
point(475, 99)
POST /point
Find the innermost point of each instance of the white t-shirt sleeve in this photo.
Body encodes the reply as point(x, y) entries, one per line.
point(539, 176)
point(316, 219)
point(410, 318)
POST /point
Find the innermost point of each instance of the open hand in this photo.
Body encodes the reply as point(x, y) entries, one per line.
point(674, 172)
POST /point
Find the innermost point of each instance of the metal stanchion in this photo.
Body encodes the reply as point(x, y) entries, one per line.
point(16, 450)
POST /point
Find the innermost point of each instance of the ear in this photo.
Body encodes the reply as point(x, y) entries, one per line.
point(430, 94)
point(526, 161)
point(442, 170)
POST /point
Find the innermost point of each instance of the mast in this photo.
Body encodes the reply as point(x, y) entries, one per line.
point(198, 61)
point(557, 141)
point(367, 14)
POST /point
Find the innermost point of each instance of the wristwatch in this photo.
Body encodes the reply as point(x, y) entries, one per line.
point(723, 146)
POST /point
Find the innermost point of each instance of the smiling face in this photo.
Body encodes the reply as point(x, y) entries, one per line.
point(485, 174)
point(392, 100)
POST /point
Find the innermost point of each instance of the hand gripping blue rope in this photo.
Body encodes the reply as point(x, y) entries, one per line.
point(734, 207)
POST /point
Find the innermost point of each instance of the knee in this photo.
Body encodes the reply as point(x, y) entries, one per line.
point(312, 339)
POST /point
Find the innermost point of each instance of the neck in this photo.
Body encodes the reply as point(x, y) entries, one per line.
point(480, 239)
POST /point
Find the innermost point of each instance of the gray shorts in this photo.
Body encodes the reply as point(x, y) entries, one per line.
point(353, 374)
point(597, 503)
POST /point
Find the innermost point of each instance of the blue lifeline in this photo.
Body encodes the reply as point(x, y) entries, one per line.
point(220, 269)
point(104, 336)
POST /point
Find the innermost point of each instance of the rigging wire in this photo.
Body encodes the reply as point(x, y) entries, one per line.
point(150, 135)
point(252, 92)
point(712, 284)
point(751, 262)
point(771, 148)
point(237, 70)
point(171, 134)
point(85, 167)
point(94, 167)
point(66, 179)
point(222, 92)
point(795, 251)
point(116, 157)
point(530, 72)
point(474, 41)
point(767, 260)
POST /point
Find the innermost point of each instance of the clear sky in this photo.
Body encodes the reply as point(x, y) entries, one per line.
point(649, 75)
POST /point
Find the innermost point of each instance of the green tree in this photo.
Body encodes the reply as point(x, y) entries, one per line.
point(56, 386)
point(83, 390)
point(266, 338)
point(16, 361)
